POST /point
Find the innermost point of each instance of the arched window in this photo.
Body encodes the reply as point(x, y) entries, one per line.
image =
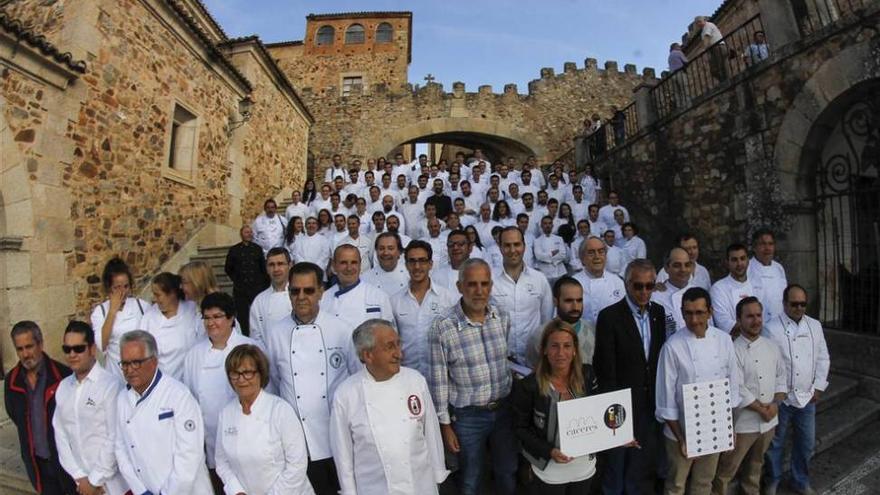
point(354, 34)
point(325, 35)
point(384, 33)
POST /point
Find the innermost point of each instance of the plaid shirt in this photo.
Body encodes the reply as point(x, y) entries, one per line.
point(468, 361)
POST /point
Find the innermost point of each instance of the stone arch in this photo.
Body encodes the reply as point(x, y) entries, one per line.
point(458, 126)
point(805, 130)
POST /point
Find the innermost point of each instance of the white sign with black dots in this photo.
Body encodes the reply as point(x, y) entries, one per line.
point(708, 417)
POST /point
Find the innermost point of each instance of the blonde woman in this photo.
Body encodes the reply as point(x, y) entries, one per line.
point(560, 375)
point(197, 281)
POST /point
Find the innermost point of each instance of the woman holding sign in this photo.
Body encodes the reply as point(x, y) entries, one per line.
point(559, 376)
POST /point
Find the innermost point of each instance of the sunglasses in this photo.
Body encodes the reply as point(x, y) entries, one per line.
point(798, 304)
point(641, 286)
point(77, 349)
point(309, 291)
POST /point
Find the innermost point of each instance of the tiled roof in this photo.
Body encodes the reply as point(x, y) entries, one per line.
point(40, 42)
point(284, 43)
point(210, 18)
point(348, 15)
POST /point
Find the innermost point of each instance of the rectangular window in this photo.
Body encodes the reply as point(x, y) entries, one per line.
point(350, 82)
point(183, 144)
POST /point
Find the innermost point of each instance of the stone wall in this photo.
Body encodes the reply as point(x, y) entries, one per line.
point(542, 122)
point(85, 167)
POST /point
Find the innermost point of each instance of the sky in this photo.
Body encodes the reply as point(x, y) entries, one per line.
point(494, 42)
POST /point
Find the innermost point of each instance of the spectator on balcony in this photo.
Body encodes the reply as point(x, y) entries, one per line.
point(618, 124)
point(597, 137)
point(757, 51)
point(713, 41)
point(678, 61)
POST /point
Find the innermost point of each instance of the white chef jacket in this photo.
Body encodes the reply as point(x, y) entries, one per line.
point(700, 277)
point(606, 215)
point(263, 452)
point(300, 210)
point(599, 292)
point(128, 319)
point(269, 232)
point(308, 362)
point(386, 436)
point(174, 336)
point(484, 229)
point(439, 251)
point(685, 359)
point(597, 228)
point(414, 320)
point(204, 374)
point(314, 249)
point(805, 353)
point(551, 265)
point(414, 214)
point(590, 186)
point(635, 248)
point(446, 276)
point(160, 439)
point(773, 282)
point(389, 282)
point(356, 304)
point(670, 299)
point(269, 306)
point(763, 372)
point(85, 428)
point(529, 303)
point(726, 293)
point(616, 260)
point(364, 244)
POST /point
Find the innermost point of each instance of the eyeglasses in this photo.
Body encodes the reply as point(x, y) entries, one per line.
point(456, 244)
point(76, 349)
point(134, 363)
point(418, 261)
point(798, 304)
point(309, 291)
point(246, 374)
point(641, 286)
point(597, 252)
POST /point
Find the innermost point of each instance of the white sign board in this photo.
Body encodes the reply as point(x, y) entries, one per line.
point(595, 423)
point(708, 417)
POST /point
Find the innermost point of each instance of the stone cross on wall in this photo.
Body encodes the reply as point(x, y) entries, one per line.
point(430, 78)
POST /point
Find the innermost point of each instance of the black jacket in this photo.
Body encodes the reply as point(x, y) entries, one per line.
point(18, 409)
point(246, 268)
point(619, 360)
point(535, 420)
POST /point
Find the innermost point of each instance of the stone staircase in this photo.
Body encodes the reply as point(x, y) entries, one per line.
point(215, 257)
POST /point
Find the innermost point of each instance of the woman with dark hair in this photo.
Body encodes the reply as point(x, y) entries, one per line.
point(559, 376)
point(503, 215)
point(477, 250)
point(309, 192)
point(564, 217)
point(173, 323)
point(120, 313)
point(325, 224)
point(260, 447)
point(295, 227)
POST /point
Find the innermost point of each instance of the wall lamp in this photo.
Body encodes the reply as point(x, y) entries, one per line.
point(244, 109)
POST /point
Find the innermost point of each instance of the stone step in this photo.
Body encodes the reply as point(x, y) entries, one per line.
point(840, 389)
point(835, 424)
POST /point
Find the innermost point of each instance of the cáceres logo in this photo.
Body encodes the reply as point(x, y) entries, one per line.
point(580, 426)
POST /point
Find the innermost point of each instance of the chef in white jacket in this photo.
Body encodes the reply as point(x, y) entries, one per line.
point(85, 415)
point(351, 299)
point(261, 448)
point(312, 247)
point(173, 322)
point(384, 430)
point(120, 313)
point(273, 303)
point(601, 287)
point(311, 353)
point(204, 370)
point(269, 227)
point(160, 437)
point(768, 272)
point(728, 291)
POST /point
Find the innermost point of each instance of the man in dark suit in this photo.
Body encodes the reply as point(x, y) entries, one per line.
point(246, 267)
point(629, 335)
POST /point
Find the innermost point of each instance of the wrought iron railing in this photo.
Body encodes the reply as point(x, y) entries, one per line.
point(813, 15)
point(615, 132)
point(734, 54)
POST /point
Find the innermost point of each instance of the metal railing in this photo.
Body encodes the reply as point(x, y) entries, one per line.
point(813, 15)
point(614, 132)
point(734, 54)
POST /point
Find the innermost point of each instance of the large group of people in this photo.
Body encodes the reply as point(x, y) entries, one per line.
point(409, 320)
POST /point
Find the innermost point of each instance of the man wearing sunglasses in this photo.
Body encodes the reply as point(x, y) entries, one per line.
point(311, 353)
point(805, 353)
point(629, 336)
point(35, 377)
point(85, 426)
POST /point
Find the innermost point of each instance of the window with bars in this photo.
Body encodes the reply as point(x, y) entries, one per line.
point(325, 35)
point(349, 82)
point(355, 34)
point(384, 33)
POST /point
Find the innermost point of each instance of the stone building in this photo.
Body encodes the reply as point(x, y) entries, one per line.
point(134, 128)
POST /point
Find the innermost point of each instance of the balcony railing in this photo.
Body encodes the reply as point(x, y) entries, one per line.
point(813, 15)
point(734, 54)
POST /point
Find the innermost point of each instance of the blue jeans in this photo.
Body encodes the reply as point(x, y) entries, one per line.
point(804, 423)
point(474, 427)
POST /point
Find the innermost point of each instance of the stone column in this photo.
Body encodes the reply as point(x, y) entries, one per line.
point(645, 110)
point(780, 24)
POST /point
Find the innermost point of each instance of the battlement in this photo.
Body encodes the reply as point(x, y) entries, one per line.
point(570, 70)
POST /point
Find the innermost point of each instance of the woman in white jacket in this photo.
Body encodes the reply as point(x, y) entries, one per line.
point(260, 448)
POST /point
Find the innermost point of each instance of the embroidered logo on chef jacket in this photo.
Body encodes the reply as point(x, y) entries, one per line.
point(90, 402)
point(190, 425)
point(231, 431)
point(336, 360)
point(434, 306)
point(414, 404)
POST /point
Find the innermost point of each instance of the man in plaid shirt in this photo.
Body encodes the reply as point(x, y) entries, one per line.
point(470, 380)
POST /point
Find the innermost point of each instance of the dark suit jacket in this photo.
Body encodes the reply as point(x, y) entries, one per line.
point(619, 360)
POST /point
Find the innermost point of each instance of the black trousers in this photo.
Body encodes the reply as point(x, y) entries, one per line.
point(55, 480)
point(243, 300)
point(538, 487)
point(322, 476)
